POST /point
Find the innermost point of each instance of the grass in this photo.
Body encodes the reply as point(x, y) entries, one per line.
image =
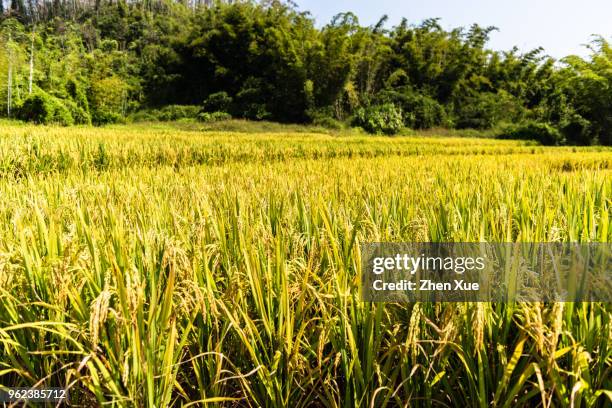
point(241, 126)
point(153, 266)
point(249, 126)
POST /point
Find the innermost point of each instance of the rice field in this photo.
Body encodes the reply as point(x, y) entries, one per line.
point(156, 267)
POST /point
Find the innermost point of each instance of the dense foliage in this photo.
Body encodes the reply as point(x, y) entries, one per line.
point(385, 119)
point(268, 60)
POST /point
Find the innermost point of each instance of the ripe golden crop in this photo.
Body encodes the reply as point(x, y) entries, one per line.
point(157, 267)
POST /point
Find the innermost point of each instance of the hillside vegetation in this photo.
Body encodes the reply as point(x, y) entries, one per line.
point(103, 62)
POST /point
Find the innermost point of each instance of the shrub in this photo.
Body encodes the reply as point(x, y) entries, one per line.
point(424, 113)
point(107, 96)
point(166, 114)
point(252, 100)
point(35, 108)
point(176, 112)
point(42, 108)
point(486, 110)
point(386, 118)
point(77, 93)
point(61, 114)
point(324, 117)
point(217, 102)
point(328, 123)
point(207, 117)
point(419, 111)
point(254, 111)
point(577, 130)
point(80, 116)
point(544, 133)
point(143, 116)
point(108, 45)
point(103, 117)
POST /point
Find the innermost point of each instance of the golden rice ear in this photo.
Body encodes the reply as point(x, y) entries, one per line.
point(185, 268)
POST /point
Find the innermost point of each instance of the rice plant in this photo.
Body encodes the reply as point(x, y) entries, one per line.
point(153, 268)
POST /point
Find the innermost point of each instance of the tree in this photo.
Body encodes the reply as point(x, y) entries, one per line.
point(587, 85)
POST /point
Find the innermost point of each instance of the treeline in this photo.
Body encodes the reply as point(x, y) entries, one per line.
point(102, 61)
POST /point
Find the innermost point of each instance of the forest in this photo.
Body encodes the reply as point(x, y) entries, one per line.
point(99, 62)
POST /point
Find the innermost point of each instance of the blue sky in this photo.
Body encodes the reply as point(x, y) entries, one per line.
point(560, 26)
